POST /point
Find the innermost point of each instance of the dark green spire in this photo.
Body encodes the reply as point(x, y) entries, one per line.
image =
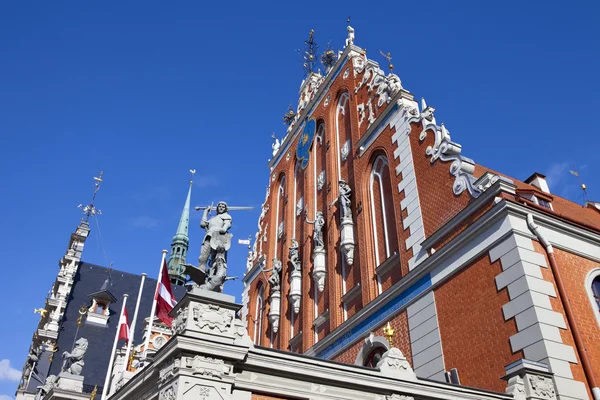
point(179, 245)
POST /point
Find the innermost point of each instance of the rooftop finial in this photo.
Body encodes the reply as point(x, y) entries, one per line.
point(388, 57)
point(309, 54)
point(350, 39)
point(193, 172)
point(90, 210)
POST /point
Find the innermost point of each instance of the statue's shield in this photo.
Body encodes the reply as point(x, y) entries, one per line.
point(196, 274)
point(217, 240)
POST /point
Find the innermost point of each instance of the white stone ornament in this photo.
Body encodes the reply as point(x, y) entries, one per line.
point(321, 180)
point(319, 268)
point(327, 100)
point(299, 206)
point(296, 290)
point(345, 150)
point(274, 310)
point(346, 73)
point(394, 365)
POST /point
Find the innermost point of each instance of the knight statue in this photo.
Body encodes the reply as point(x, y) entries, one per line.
point(275, 278)
point(73, 363)
point(216, 233)
point(32, 359)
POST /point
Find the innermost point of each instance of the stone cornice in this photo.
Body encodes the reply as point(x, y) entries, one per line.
point(351, 377)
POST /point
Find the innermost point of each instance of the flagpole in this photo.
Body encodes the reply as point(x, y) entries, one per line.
point(106, 388)
point(132, 328)
point(153, 311)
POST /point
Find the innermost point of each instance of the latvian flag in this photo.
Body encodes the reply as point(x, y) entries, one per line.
point(165, 301)
point(124, 326)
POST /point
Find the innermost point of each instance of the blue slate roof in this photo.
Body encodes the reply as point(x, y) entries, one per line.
point(89, 279)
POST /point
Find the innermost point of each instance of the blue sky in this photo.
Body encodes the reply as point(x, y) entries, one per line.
point(147, 90)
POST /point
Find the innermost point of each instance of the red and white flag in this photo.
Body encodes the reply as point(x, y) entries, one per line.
point(124, 326)
point(165, 300)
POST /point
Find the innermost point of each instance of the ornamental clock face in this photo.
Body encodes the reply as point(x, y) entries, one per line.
point(305, 141)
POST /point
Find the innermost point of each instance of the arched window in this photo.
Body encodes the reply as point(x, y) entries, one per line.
point(258, 314)
point(592, 286)
point(385, 238)
point(374, 357)
point(596, 290)
point(99, 308)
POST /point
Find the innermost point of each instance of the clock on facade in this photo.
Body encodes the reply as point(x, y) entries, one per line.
point(305, 141)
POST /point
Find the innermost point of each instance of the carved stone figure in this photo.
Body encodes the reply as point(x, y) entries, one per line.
point(295, 255)
point(44, 389)
point(73, 363)
point(249, 260)
point(319, 223)
point(216, 233)
point(275, 146)
point(344, 200)
point(350, 39)
point(275, 278)
point(32, 359)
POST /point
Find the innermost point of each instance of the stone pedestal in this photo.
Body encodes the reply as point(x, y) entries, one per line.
point(296, 290)
point(70, 382)
point(529, 380)
point(319, 268)
point(275, 310)
point(347, 239)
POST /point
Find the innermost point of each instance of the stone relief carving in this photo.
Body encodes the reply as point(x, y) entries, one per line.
point(170, 393)
point(299, 206)
point(346, 73)
point(178, 324)
point(542, 387)
point(462, 168)
point(280, 229)
point(394, 364)
point(207, 366)
point(327, 100)
point(212, 316)
point(345, 150)
point(321, 180)
point(169, 370)
point(361, 113)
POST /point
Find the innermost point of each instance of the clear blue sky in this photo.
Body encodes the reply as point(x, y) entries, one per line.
point(147, 90)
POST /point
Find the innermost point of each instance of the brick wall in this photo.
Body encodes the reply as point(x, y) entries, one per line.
point(475, 337)
point(574, 270)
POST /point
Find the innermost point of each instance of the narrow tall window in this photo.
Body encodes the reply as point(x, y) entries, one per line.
point(258, 314)
point(385, 239)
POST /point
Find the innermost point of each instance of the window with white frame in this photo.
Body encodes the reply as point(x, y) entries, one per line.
point(592, 286)
point(258, 314)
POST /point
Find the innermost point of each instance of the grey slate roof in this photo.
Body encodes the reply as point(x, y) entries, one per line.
point(88, 280)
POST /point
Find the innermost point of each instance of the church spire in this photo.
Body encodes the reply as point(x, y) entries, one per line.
point(179, 245)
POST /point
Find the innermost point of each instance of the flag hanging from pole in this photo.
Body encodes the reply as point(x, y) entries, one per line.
point(124, 326)
point(165, 300)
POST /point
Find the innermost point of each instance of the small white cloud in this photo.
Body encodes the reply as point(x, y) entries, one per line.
point(6, 397)
point(144, 222)
point(8, 373)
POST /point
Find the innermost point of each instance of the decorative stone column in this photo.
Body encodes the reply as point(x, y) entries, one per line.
point(274, 310)
point(529, 380)
point(296, 290)
point(347, 239)
point(319, 273)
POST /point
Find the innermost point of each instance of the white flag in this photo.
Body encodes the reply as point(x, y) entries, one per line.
point(574, 172)
point(244, 241)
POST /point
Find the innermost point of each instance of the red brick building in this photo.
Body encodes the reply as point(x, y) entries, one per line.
point(473, 270)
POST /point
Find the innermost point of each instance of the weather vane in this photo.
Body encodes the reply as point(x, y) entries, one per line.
point(328, 58)
point(90, 210)
point(388, 57)
point(309, 54)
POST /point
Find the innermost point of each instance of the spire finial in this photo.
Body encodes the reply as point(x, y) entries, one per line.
point(193, 172)
point(388, 57)
point(90, 210)
point(309, 54)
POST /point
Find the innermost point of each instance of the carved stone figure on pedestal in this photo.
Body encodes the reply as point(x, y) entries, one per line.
point(319, 223)
point(344, 200)
point(44, 389)
point(295, 277)
point(346, 221)
point(73, 363)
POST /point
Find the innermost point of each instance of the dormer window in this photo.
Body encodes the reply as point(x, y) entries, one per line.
point(537, 197)
point(98, 307)
point(544, 203)
point(99, 311)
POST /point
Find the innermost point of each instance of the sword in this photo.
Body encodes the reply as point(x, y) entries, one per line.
point(229, 208)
